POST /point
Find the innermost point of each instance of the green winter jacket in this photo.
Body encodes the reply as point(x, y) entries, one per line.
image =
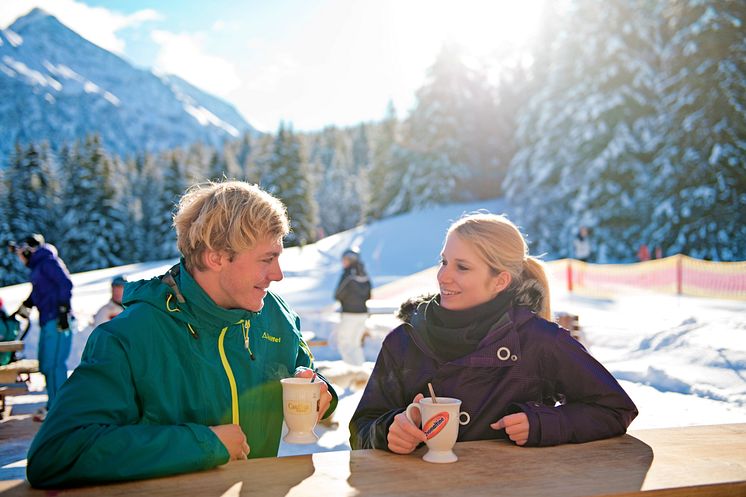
point(154, 379)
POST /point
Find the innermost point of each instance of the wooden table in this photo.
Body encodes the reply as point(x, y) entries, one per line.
point(11, 346)
point(692, 461)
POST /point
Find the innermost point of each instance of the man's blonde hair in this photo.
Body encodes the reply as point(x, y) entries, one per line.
point(229, 216)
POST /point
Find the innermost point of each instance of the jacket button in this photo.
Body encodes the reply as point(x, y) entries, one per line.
point(514, 358)
point(503, 353)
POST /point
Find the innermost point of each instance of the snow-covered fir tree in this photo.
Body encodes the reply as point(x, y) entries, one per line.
point(30, 190)
point(701, 170)
point(341, 191)
point(95, 235)
point(451, 128)
point(288, 179)
point(585, 137)
point(157, 185)
point(387, 166)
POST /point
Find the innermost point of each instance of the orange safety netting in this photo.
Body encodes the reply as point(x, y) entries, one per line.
point(678, 274)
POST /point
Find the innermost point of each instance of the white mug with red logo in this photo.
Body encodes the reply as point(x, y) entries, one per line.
point(440, 423)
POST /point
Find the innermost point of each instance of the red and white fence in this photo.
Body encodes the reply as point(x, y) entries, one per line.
point(677, 274)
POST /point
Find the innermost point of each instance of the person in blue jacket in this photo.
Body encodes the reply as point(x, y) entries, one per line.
point(487, 338)
point(51, 291)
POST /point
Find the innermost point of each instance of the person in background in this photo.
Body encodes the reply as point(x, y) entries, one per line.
point(353, 291)
point(582, 245)
point(51, 292)
point(643, 253)
point(487, 339)
point(188, 376)
point(114, 306)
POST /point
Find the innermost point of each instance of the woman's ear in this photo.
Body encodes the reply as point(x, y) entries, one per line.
point(502, 281)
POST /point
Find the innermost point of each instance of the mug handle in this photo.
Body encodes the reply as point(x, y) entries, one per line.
point(413, 405)
point(460, 415)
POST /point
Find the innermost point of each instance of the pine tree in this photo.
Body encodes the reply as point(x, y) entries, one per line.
point(95, 235)
point(585, 136)
point(288, 179)
point(451, 133)
point(387, 167)
point(31, 196)
point(11, 271)
point(701, 171)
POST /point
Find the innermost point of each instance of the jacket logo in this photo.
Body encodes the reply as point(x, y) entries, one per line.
point(435, 424)
point(269, 337)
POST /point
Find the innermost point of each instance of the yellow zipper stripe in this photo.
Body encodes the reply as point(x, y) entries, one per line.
point(229, 373)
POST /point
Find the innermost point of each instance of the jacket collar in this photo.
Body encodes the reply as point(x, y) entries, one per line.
point(204, 312)
point(499, 348)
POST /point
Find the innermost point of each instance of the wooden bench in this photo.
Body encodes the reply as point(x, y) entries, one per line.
point(11, 346)
point(312, 341)
point(14, 378)
point(571, 322)
point(8, 389)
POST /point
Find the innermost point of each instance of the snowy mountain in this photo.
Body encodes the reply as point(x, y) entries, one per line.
point(57, 86)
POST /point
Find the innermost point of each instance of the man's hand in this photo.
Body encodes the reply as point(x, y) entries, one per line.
point(403, 435)
point(63, 318)
point(326, 397)
point(233, 438)
point(515, 425)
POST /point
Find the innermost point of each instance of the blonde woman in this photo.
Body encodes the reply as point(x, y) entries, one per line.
point(487, 339)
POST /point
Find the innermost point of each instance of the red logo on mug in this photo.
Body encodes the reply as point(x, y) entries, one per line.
point(435, 424)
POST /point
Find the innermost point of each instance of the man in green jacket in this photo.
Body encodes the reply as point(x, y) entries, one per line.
point(188, 376)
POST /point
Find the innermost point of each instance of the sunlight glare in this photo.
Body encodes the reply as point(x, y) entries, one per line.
point(481, 27)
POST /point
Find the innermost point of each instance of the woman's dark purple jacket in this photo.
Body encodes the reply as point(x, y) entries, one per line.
point(541, 370)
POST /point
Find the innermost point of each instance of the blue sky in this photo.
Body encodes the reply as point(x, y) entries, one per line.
point(312, 63)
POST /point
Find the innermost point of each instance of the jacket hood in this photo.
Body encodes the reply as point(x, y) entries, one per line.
point(178, 294)
point(409, 308)
point(44, 252)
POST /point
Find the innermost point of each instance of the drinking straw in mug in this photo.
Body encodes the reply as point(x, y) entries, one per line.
point(432, 392)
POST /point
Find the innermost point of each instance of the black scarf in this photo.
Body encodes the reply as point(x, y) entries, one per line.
point(454, 334)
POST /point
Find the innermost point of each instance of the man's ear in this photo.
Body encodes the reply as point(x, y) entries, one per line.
point(502, 281)
point(213, 259)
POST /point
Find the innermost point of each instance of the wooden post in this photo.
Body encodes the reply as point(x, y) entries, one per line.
point(569, 275)
point(679, 274)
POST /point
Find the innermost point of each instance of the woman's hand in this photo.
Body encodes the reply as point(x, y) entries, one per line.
point(403, 435)
point(326, 397)
point(515, 425)
point(233, 438)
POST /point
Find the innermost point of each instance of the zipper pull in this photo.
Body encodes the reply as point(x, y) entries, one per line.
point(246, 326)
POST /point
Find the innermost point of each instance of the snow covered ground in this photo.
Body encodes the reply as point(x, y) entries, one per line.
point(681, 359)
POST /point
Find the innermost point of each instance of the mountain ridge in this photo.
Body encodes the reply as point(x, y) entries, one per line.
point(56, 86)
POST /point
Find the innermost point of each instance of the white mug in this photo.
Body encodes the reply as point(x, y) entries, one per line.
point(300, 407)
point(440, 423)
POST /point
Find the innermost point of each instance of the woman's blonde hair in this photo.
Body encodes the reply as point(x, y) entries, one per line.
point(229, 216)
point(501, 245)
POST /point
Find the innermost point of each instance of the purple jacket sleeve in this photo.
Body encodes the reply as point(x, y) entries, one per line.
point(594, 406)
point(382, 400)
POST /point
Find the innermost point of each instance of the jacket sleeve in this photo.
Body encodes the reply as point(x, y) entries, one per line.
point(95, 431)
point(592, 406)
point(384, 397)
